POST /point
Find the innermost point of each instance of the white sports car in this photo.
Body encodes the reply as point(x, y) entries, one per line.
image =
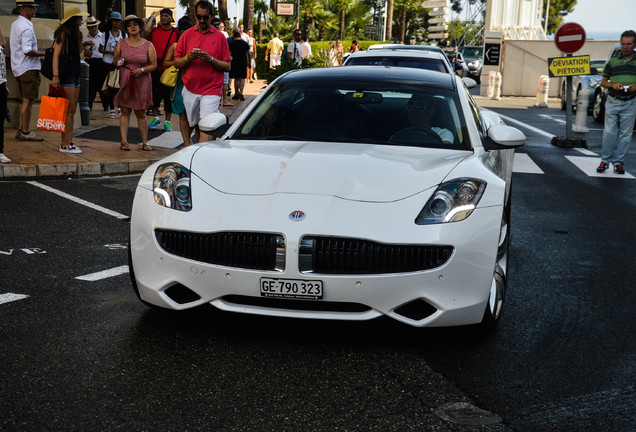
point(340, 193)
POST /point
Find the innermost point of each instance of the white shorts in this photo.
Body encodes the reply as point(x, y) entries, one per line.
point(198, 106)
point(274, 60)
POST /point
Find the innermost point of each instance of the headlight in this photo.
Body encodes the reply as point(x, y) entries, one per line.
point(171, 187)
point(453, 201)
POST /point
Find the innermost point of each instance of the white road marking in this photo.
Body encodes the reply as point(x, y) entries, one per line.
point(527, 126)
point(553, 118)
point(79, 200)
point(9, 297)
point(586, 152)
point(588, 166)
point(524, 164)
point(104, 274)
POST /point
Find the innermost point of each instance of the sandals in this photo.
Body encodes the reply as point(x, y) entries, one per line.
point(124, 146)
point(147, 148)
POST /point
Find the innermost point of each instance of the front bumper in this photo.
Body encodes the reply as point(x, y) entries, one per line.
point(453, 294)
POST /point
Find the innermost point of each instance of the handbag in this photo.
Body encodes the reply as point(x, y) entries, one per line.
point(169, 77)
point(53, 110)
point(111, 83)
point(47, 64)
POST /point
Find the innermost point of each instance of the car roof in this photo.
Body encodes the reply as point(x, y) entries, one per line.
point(406, 47)
point(393, 52)
point(389, 74)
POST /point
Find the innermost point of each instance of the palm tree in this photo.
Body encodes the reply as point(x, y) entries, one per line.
point(308, 10)
point(223, 12)
point(248, 14)
point(389, 20)
point(404, 7)
point(325, 20)
point(341, 6)
point(260, 8)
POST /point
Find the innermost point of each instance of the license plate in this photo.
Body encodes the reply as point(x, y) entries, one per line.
point(291, 288)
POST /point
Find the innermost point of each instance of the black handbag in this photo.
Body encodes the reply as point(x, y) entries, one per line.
point(47, 63)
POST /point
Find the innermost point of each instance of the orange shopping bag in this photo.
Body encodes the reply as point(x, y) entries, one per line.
point(53, 110)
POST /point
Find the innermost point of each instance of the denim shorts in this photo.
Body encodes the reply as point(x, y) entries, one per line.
point(70, 81)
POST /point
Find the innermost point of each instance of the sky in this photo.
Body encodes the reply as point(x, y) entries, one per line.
point(606, 16)
point(603, 16)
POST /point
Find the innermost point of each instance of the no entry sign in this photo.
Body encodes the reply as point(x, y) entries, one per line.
point(569, 38)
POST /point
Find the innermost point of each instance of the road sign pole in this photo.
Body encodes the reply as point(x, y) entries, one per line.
point(568, 106)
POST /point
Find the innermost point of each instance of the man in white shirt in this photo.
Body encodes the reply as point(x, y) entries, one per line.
point(25, 64)
point(293, 49)
point(97, 70)
point(305, 48)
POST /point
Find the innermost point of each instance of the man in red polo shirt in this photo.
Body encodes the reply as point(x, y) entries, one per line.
point(203, 54)
point(162, 37)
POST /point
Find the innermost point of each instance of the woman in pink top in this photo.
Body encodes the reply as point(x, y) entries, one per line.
point(136, 58)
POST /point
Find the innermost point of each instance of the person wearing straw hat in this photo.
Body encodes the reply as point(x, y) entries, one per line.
point(25, 64)
point(68, 44)
point(136, 59)
point(92, 56)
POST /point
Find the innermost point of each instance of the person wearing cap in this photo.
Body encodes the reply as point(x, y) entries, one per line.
point(204, 53)
point(25, 64)
point(162, 37)
point(68, 43)
point(92, 56)
point(112, 35)
point(136, 59)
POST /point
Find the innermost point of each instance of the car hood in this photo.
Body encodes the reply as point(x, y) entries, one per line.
point(360, 172)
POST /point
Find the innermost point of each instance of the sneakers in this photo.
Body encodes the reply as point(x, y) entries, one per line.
point(602, 167)
point(28, 136)
point(154, 123)
point(619, 168)
point(167, 126)
point(4, 159)
point(72, 148)
point(112, 114)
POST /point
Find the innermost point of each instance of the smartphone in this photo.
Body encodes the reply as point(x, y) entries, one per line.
point(197, 51)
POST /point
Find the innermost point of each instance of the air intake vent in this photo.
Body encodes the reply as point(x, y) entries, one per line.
point(259, 251)
point(331, 255)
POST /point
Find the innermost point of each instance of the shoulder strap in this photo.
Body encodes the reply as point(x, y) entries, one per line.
point(167, 44)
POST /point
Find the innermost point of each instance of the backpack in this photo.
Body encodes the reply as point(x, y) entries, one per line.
point(283, 56)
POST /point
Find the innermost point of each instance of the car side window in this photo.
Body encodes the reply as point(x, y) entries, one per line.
point(474, 109)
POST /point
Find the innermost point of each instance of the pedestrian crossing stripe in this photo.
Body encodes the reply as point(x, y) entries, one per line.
point(524, 164)
point(588, 166)
point(10, 297)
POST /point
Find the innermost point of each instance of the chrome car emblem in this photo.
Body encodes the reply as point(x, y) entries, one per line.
point(297, 215)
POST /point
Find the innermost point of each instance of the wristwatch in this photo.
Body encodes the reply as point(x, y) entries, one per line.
point(211, 59)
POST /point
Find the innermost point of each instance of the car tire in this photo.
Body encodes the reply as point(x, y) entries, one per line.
point(494, 306)
point(598, 109)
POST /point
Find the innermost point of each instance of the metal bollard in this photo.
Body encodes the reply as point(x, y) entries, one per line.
point(582, 104)
point(542, 92)
point(491, 83)
point(497, 85)
point(85, 111)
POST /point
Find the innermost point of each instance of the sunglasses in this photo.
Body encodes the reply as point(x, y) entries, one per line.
point(203, 17)
point(132, 23)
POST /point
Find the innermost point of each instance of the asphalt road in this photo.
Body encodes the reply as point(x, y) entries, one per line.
point(80, 352)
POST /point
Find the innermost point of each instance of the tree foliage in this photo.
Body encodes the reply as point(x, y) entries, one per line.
point(558, 10)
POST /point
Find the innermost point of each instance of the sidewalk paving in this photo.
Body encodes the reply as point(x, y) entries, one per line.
point(100, 155)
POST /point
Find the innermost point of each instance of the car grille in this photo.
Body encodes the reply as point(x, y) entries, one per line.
point(330, 255)
point(259, 251)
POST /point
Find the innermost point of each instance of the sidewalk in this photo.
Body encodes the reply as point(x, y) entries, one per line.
point(99, 142)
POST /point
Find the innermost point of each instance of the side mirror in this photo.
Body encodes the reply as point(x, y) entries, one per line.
point(214, 124)
point(502, 137)
point(470, 83)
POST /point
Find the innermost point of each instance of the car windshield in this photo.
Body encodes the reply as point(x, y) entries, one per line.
point(472, 52)
point(410, 62)
point(374, 113)
point(596, 67)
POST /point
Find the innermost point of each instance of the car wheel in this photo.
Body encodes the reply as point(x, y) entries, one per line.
point(494, 307)
point(598, 110)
